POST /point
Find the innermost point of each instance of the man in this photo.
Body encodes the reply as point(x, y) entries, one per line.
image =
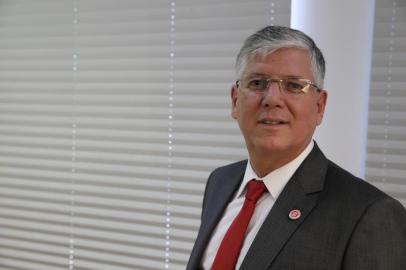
point(302, 211)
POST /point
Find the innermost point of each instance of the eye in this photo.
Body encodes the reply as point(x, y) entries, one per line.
point(257, 84)
point(293, 86)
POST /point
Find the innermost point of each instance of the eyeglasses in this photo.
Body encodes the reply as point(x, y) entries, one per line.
point(293, 86)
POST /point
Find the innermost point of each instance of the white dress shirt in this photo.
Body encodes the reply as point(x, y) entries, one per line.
point(275, 181)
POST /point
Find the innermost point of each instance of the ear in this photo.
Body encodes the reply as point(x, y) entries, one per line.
point(321, 105)
point(234, 97)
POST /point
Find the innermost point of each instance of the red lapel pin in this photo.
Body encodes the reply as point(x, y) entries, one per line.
point(295, 214)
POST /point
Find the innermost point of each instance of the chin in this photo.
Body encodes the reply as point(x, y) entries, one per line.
point(271, 146)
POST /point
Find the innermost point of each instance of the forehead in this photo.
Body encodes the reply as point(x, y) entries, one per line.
point(282, 62)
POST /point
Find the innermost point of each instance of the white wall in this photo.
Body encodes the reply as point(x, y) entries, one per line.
point(343, 31)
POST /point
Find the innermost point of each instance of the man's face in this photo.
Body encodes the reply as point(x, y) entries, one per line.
point(276, 125)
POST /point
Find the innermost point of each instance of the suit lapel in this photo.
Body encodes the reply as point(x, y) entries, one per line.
point(300, 193)
point(221, 188)
point(222, 195)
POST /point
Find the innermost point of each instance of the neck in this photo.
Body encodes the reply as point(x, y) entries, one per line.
point(264, 163)
point(263, 166)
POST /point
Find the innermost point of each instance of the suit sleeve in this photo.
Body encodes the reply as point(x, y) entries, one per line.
point(379, 239)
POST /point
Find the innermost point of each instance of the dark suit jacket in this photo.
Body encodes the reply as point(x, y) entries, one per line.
point(346, 223)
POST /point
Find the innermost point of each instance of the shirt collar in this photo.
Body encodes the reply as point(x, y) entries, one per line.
point(276, 180)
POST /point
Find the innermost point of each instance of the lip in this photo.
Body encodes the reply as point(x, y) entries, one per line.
point(272, 121)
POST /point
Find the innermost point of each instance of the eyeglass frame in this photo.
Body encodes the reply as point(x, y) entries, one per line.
point(270, 79)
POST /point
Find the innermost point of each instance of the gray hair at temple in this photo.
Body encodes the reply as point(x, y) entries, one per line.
point(271, 38)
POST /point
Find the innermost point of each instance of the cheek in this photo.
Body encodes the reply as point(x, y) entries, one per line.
point(246, 114)
point(247, 105)
point(307, 117)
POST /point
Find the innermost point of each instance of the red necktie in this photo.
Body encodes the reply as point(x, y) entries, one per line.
point(229, 250)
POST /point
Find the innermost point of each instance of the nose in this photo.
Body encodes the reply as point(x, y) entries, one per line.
point(273, 97)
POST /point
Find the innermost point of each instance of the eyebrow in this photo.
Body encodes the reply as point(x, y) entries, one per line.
point(267, 75)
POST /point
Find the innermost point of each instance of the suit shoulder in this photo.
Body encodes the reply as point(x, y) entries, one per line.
point(226, 169)
point(231, 171)
point(353, 188)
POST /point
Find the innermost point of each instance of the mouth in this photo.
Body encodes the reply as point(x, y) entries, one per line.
point(272, 122)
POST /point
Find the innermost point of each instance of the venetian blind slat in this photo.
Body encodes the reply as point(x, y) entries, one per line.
point(386, 146)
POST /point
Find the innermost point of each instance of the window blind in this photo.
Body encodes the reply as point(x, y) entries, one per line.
point(112, 115)
point(35, 134)
point(386, 149)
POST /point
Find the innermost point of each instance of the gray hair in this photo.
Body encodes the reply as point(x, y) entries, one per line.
point(271, 38)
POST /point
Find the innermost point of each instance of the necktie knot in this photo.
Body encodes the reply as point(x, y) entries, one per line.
point(255, 189)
